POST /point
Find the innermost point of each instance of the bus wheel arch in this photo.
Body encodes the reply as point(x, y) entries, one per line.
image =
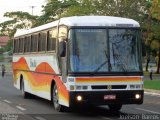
point(55, 98)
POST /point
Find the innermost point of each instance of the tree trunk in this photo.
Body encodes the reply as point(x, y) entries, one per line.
point(148, 57)
point(147, 64)
point(158, 60)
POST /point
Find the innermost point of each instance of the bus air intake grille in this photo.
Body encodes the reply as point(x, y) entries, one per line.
point(109, 86)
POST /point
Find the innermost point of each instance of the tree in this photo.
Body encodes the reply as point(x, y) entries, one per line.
point(8, 47)
point(23, 18)
point(146, 23)
point(55, 8)
point(8, 28)
point(156, 15)
point(80, 8)
point(20, 20)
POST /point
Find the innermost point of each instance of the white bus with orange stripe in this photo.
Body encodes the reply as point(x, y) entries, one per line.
point(81, 60)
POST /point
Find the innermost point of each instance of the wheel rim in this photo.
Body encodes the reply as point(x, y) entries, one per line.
point(55, 98)
point(22, 88)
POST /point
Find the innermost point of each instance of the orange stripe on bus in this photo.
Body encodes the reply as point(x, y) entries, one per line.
point(109, 79)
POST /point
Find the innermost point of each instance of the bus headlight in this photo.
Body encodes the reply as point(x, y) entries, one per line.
point(79, 98)
point(137, 96)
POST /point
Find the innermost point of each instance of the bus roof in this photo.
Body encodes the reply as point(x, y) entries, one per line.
point(98, 21)
point(85, 21)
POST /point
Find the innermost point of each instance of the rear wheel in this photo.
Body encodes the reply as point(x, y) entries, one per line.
point(115, 108)
point(55, 100)
point(24, 94)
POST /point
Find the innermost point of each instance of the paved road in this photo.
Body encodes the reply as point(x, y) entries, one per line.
point(12, 105)
point(155, 77)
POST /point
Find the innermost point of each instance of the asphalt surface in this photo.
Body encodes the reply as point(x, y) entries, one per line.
point(14, 107)
point(154, 77)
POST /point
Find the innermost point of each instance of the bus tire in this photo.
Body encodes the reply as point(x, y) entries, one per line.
point(115, 107)
point(55, 100)
point(24, 94)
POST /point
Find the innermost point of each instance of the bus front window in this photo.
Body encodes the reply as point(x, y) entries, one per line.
point(124, 50)
point(95, 51)
point(88, 50)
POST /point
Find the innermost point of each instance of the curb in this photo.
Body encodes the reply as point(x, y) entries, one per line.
point(152, 91)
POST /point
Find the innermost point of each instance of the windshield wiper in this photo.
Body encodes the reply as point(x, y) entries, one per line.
point(98, 68)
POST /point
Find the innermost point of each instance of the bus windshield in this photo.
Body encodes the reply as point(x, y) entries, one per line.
point(104, 50)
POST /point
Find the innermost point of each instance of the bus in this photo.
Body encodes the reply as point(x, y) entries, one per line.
point(81, 60)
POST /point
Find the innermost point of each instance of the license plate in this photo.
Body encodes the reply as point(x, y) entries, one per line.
point(109, 97)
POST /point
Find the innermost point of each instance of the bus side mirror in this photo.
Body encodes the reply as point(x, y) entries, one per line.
point(62, 48)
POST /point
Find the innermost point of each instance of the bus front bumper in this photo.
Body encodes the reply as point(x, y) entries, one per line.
point(106, 97)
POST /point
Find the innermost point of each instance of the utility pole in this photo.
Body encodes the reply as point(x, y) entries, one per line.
point(32, 7)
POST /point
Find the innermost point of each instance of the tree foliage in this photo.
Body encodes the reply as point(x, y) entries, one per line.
point(20, 20)
point(155, 8)
point(54, 8)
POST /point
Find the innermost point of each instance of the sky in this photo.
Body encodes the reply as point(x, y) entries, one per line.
point(20, 5)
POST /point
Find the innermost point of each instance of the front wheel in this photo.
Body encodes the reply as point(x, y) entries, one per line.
point(115, 108)
point(55, 100)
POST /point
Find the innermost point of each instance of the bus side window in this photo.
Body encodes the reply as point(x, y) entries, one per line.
point(17, 45)
point(62, 32)
point(27, 44)
point(14, 45)
point(62, 37)
point(21, 41)
point(23, 45)
point(51, 40)
point(34, 42)
point(42, 41)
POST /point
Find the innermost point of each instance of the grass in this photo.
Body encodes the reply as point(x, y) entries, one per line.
point(152, 84)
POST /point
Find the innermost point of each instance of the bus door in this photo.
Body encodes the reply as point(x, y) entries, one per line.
point(62, 39)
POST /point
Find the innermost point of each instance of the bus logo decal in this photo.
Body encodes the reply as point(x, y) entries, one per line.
point(109, 87)
point(33, 63)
